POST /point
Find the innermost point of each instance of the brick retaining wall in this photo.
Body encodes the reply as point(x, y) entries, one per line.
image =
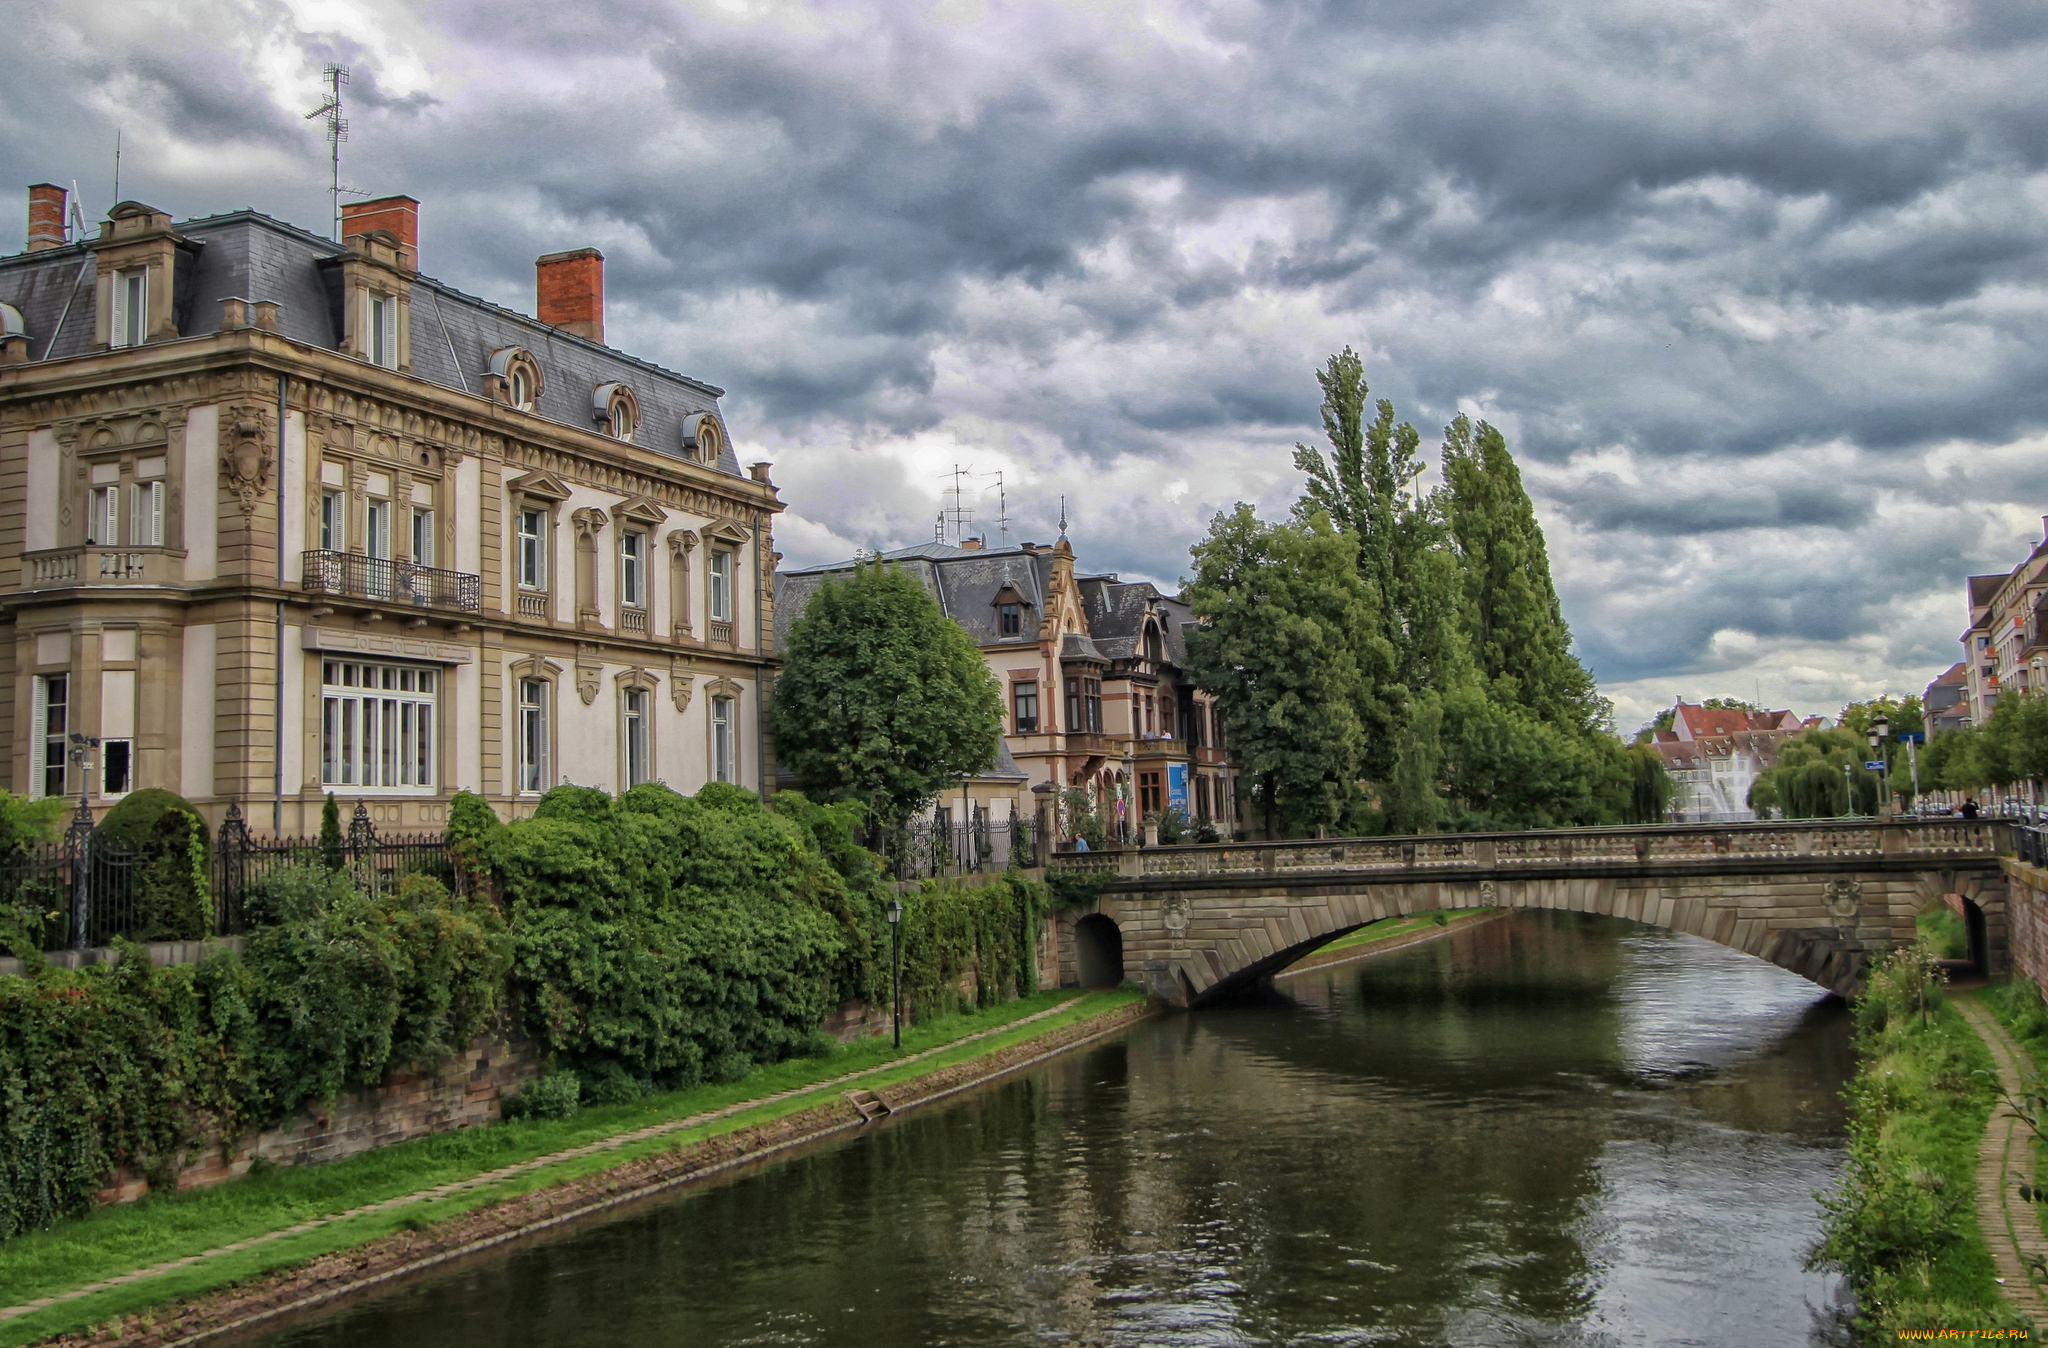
point(2026, 890)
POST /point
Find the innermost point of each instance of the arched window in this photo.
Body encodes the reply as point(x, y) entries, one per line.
point(702, 436)
point(515, 378)
point(614, 408)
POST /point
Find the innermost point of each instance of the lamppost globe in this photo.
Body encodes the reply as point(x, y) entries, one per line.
point(895, 911)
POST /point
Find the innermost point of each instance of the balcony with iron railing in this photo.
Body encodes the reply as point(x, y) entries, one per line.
point(95, 565)
point(390, 581)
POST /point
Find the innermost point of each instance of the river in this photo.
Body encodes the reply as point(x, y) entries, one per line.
point(1545, 1129)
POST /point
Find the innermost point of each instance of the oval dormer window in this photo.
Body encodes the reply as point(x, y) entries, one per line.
point(701, 437)
point(518, 378)
point(614, 408)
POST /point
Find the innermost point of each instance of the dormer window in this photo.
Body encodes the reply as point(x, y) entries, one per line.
point(700, 437)
point(515, 377)
point(1010, 619)
point(614, 408)
point(130, 325)
point(380, 329)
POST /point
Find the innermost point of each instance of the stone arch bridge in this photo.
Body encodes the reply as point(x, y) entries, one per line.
point(1820, 898)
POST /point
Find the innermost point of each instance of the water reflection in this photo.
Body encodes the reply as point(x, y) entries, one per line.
point(1548, 1129)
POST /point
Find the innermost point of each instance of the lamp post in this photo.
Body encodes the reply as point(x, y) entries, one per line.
point(1880, 730)
point(1848, 790)
point(895, 911)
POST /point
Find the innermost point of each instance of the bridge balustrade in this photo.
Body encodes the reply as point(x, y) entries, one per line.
point(1547, 849)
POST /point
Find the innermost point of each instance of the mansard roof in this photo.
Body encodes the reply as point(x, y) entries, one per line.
point(453, 336)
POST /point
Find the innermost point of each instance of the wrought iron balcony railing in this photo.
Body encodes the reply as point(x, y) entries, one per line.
point(391, 581)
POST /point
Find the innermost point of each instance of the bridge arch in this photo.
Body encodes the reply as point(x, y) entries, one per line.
point(1098, 951)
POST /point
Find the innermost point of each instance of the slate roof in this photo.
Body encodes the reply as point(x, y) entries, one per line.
point(965, 581)
point(248, 255)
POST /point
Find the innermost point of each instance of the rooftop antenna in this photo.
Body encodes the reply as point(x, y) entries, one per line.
point(939, 528)
point(959, 514)
point(337, 132)
point(1002, 503)
point(76, 224)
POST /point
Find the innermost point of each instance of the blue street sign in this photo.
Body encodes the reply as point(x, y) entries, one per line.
point(1915, 737)
point(1876, 765)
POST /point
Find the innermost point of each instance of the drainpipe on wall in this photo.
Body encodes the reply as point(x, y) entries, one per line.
point(277, 709)
point(760, 670)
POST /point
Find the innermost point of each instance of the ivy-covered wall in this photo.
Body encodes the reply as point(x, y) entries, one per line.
point(640, 943)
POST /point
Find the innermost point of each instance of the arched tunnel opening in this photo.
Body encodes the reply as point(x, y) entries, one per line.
point(1954, 926)
point(1099, 952)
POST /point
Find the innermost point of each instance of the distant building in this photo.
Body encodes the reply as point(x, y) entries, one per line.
point(2006, 646)
point(1096, 689)
point(1715, 754)
point(1946, 703)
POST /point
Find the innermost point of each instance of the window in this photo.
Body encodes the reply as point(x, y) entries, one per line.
point(1074, 721)
point(721, 586)
point(1149, 799)
point(622, 424)
point(377, 528)
point(1084, 706)
point(1202, 799)
point(633, 569)
point(724, 764)
point(422, 536)
point(533, 549)
point(46, 777)
point(333, 521)
point(533, 735)
point(522, 388)
point(103, 517)
point(129, 323)
point(1024, 706)
point(380, 342)
point(633, 735)
point(146, 515)
point(1148, 727)
point(1011, 619)
point(378, 725)
point(115, 759)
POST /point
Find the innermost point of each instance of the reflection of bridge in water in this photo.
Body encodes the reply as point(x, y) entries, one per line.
point(1820, 898)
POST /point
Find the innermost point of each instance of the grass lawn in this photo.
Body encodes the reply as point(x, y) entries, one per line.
point(1394, 926)
point(115, 1240)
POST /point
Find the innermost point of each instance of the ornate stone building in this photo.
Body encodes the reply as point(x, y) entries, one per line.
point(280, 517)
point(1094, 671)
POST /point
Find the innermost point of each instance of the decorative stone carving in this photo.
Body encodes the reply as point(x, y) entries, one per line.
point(1488, 894)
point(589, 521)
point(1844, 898)
point(680, 683)
point(589, 673)
point(246, 458)
point(1175, 913)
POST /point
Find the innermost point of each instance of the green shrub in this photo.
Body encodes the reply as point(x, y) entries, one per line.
point(1943, 932)
point(554, 1096)
point(473, 828)
point(331, 854)
point(173, 892)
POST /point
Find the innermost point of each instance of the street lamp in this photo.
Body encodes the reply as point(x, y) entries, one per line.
point(1880, 730)
point(895, 911)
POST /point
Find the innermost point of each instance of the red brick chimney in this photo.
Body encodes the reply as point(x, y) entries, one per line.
point(569, 291)
point(399, 215)
point(45, 217)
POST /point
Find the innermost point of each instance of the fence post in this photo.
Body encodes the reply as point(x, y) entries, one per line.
point(230, 859)
point(78, 844)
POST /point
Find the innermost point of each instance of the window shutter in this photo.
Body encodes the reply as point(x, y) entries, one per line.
point(38, 731)
point(391, 331)
point(117, 320)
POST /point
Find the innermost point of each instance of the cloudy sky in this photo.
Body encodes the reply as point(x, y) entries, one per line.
point(1758, 291)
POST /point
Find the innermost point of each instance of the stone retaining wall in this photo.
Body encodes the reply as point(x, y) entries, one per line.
point(466, 1091)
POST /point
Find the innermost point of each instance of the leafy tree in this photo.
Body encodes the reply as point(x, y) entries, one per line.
point(1819, 775)
point(1279, 609)
point(25, 822)
point(883, 699)
point(1516, 624)
point(1413, 804)
point(1649, 786)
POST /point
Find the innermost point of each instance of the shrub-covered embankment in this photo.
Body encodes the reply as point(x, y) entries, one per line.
point(645, 943)
point(1901, 1223)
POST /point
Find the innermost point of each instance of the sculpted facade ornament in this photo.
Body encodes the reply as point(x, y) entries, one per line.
point(1844, 898)
point(1175, 913)
point(246, 458)
point(680, 684)
point(589, 673)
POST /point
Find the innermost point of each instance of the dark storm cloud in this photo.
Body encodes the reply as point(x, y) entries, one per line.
point(1719, 243)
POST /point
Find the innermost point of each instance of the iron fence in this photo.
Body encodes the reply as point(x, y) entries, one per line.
point(942, 844)
point(83, 891)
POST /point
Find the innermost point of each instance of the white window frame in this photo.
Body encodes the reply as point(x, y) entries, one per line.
point(42, 741)
point(633, 568)
point(380, 726)
point(422, 536)
point(636, 736)
point(128, 321)
point(725, 761)
point(103, 517)
point(718, 582)
point(520, 386)
point(533, 548)
point(531, 727)
point(334, 521)
point(377, 527)
point(146, 514)
point(380, 328)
